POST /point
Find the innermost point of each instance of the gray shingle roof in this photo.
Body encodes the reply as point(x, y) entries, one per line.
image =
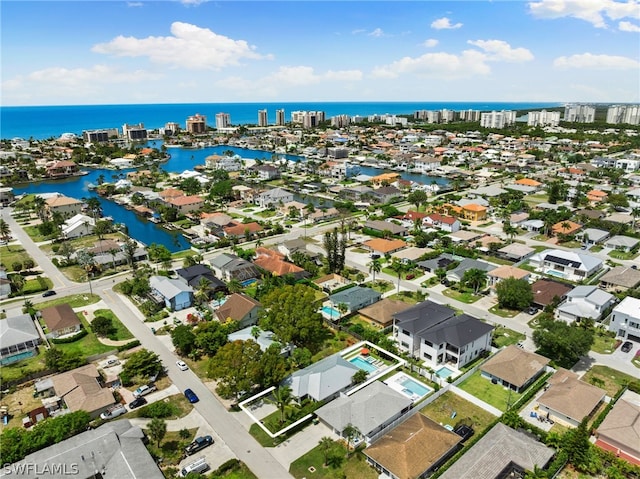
point(167, 287)
point(457, 331)
point(355, 296)
point(17, 330)
point(422, 316)
point(322, 379)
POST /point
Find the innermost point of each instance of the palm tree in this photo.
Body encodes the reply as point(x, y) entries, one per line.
point(399, 267)
point(282, 397)
point(343, 308)
point(350, 432)
point(325, 443)
point(130, 248)
point(204, 290)
point(93, 205)
point(17, 281)
point(234, 285)
point(5, 230)
point(635, 212)
point(375, 266)
point(113, 252)
point(38, 205)
point(255, 332)
point(475, 278)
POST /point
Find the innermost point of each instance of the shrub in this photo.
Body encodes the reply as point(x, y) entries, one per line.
point(129, 345)
point(159, 410)
point(83, 332)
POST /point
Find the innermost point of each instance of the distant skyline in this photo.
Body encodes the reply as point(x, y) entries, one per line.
point(111, 52)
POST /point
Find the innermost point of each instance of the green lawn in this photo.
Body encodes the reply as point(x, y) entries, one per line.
point(493, 394)
point(74, 272)
point(22, 368)
point(182, 407)
point(36, 285)
point(120, 330)
point(340, 466)
point(87, 346)
point(462, 296)
point(612, 380)
point(88, 241)
point(604, 342)
point(468, 413)
point(381, 285)
point(503, 313)
point(34, 234)
point(504, 336)
point(12, 254)
point(623, 255)
point(75, 301)
point(172, 446)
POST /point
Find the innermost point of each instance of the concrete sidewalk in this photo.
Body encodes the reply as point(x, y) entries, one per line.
point(478, 402)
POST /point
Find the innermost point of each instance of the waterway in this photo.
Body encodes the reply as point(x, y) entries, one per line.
point(181, 159)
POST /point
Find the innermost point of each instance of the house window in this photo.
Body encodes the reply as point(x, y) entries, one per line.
point(428, 343)
point(405, 332)
point(404, 345)
point(427, 356)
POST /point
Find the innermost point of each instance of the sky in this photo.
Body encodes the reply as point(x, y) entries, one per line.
point(195, 51)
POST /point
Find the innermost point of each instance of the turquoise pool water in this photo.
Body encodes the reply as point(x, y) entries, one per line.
point(362, 364)
point(444, 372)
point(557, 274)
point(415, 387)
point(17, 357)
point(331, 312)
point(248, 282)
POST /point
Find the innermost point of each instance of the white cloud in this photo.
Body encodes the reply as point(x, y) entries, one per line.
point(596, 62)
point(305, 75)
point(430, 43)
point(628, 27)
point(437, 65)
point(444, 24)
point(135, 4)
point(189, 47)
point(501, 50)
point(357, 31)
point(592, 11)
point(377, 33)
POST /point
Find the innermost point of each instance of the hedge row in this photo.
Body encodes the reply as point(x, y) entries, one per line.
point(129, 345)
point(83, 332)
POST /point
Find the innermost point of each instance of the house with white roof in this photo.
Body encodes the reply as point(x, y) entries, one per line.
point(273, 197)
point(78, 225)
point(622, 243)
point(584, 302)
point(625, 319)
point(566, 264)
point(19, 338)
point(175, 294)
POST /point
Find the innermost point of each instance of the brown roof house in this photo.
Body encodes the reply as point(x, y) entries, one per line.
point(620, 278)
point(414, 448)
point(514, 368)
point(505, 272)
point(60, 320)
point(546, 291)
point(620, 430)
point(568, 400)
point(241, 308)
point(81, 390)
point(381, 313)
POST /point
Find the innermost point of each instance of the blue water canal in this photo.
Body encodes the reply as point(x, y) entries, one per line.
point(181, 160)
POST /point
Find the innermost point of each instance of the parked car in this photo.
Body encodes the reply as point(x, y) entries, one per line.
point(191, 396)
point(144, 390)
point(182, 365)
point(46, 294)
point(137, 403)
point(114, 412)
point(198, 444)
point(626, 347)
point(531, 310)
point(111, 362)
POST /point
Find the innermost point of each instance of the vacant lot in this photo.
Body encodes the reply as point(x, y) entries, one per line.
point(443, 408)
point(606, 378)
point(494, 394)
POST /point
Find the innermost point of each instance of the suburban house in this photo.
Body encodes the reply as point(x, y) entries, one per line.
point(62, 168)
point(186, 204)
point(466, 237)
point(584, 302)
point(241, 308)
point(60, 320)
point(413, 449)
point(532, 226)
point(370, 410)
point(547, 291)
point(620, 278)
point(323, 215)
point(504, 272)
point(264, 339)
point(322, 380)
point(474, 212)
point(568, 400)
point(566, 264)
point(228, 266)
point(266, 172)
point(80, 389)
point(5, 284)
point(441, 262)
point(385, 194)
point(620, 431)
point(355, 298)
point(381, 226)
point(19, 338)
point(77, 226)
point(273, 198)
point(116, 449)
point(566, 228)
point(625, 319)
point(622, 243)
point(67, 207)
point(451, 224)
point(274, 262)
point(384, 246)
point(591, 236)
point(173, 293)
point(224, 162)
point(196, 274)
point(381, 313)
point(331, 281)
point(514, 368)
point(502, 452)
point(242, 230)
point(432, 333)
point(456, 274)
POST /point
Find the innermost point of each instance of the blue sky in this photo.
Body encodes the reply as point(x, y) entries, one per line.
point(93, 52)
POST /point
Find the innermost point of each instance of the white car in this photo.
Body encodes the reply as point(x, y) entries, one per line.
point(114, 412)
point(182, 365)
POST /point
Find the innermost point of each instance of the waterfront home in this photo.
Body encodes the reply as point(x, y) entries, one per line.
point(413, 449)
point(266, 172)
point(355, 298)
point(173, 293)
point(356, 192)
point(618, 433)
point(584, 302)
point(273, 197)
point(240, 308)
point(370, 410)
point(227, 267)
point(242, 231)
point(77, 226)
point(566, 264)
point(567, 400)
point(19, 338)
point(169, 193)
point(514, 368)
point(61, 169)
point(385, 194)
point(625, 319)
point(427, 164)
point(224, 162)
point(386, 227)
point(546, 291)
point(65, 206)
point(432, 333)
point(620, 278)
point(60, 320)
point(196, 274)
point(185, 204)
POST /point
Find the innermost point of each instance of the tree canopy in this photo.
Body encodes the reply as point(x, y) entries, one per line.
point(562, 342)
point(237, 367)
point(514, 293)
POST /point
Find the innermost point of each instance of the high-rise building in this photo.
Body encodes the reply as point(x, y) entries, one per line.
point(309, 119)
point(470, 115)
point(280, 121)
point(579, 113)
point(543, 118)
point(223, 120)
point(262, 118)
point(497, 119)
point(134, 132)
point(197, 124)
point(628, 114)
point(340, 121)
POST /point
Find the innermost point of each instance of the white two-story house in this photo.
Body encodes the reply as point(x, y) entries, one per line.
point(566, 264)
point(433, 333)
point(625, 319)
point(584, 302)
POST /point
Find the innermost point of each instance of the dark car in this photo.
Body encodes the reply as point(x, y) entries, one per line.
point(531, 310)
point(191, 396)
point(46, 294)
point(198, 444)
point(626, 347)
point(137, 402)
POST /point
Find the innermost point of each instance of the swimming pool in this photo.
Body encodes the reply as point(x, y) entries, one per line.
point(415, 387)
point(444, 372)
point(363, 364)
point(557, 274)
point(248, 282)
point(17, 357)
point(332, 313)
point(412, 388)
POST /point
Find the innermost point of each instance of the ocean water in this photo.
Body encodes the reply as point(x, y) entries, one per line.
point(41, 122)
